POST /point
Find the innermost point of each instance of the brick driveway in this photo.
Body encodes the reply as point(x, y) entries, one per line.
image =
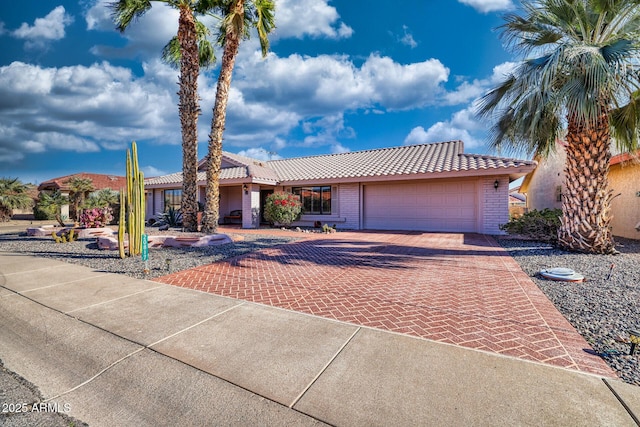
point(461, 289)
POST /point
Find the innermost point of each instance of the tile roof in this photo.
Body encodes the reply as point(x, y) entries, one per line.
point(394, 161)
point(384, 162)
point(99, 181)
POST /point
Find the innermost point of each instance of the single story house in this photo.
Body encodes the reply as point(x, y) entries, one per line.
point(544, 187)
point(100, 182)
point(428, 187)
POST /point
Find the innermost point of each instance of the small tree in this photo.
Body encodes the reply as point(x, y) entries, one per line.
point(51, 204)
point(102, 199)
point(13, 195)
point(79, 188)
point(282, 208)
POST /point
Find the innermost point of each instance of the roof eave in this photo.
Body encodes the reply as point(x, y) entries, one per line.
point(513, 172)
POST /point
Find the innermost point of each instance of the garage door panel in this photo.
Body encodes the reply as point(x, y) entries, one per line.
point(427, 206)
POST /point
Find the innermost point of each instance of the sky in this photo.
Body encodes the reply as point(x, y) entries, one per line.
point(340, 76)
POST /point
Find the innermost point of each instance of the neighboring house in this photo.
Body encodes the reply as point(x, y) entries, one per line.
point(517, 202)
point(429, 187)
point(100, 182)
point(544, 187)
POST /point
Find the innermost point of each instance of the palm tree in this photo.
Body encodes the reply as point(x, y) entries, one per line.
point(79, 187)
point(103, 198)
point(191, 49)
point(53, 202)
point(238, 16)
point(579, 81)
point(13, 195)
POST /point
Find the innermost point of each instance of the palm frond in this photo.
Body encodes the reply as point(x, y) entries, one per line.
point(124, 12)
point(171, 53)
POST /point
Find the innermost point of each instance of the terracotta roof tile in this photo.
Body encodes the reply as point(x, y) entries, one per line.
point(405, 160)
point(394, 161)
point(100, 181)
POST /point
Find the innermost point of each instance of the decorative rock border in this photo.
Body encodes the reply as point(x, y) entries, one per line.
point(111, 243)
point(83, 233)
point(108, 240)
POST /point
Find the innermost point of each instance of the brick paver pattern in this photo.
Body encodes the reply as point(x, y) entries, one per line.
point(461, 289)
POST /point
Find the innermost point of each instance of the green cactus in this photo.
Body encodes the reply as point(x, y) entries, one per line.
point(65, 236)
point(121, 224)
point(133, 202)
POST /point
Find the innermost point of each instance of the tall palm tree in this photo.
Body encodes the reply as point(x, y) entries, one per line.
point(238, 17)
point(191, 49)
point(13, 195)
point(79, 187)
point(579, 81)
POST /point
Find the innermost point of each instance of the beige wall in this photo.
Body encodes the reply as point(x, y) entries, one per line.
point(624, 179)
point(542, 191)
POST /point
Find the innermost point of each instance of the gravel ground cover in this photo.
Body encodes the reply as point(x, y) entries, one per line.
point(603, 307)
point(162, 261)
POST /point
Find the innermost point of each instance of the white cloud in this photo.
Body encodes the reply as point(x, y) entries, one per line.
point(98, 16)
point(322, 85)
point(145, 36)
point(51, 27)
point(260, 154)
point(339, 148)
point(82, 109)
point(313, 18)
point(439, 132)
point(468, 91)
point(326, 131)
point(150, 171)
point(407, 38)
point(486, 6)
point(462, 126)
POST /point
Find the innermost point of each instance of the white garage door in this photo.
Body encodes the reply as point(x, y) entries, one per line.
point(426, 206)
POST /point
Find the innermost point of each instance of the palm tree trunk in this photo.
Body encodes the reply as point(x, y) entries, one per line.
point(586, 204)
point(214, 158)
point(189, 111)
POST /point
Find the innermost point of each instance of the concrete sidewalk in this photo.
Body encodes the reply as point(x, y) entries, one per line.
point(119, 351)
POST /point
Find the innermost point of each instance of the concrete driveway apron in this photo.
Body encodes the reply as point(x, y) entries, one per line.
point(461, 289)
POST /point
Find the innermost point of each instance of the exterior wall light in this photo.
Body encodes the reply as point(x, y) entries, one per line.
point(496, 184)
point(245, 188)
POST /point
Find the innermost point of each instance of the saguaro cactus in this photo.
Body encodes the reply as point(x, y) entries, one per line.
point(132, 200)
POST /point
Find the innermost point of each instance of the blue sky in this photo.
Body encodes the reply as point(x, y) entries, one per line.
point(340, 76)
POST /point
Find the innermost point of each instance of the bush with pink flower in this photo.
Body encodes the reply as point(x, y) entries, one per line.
point(96, 217)
point(282, 208)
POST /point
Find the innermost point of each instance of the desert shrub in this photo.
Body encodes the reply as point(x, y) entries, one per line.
point(539, 225)
point(282, 208)
point(172, 217)
point(44, 212)
point(96, 217)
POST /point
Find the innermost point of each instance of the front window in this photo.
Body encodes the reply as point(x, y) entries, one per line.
point(315, 200)
point(172, 199)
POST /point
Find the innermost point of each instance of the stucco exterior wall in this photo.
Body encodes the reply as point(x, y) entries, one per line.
point(624, 179)
point(542, 191)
